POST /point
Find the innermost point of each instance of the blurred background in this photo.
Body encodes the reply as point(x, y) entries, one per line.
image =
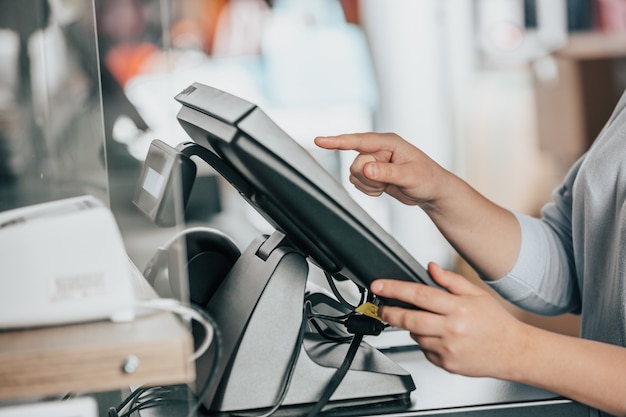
point(505, 93)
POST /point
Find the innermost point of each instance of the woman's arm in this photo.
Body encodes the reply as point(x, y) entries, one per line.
point(466, 331)
point(485, 234)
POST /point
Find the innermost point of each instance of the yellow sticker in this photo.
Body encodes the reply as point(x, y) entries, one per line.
point(369, 309)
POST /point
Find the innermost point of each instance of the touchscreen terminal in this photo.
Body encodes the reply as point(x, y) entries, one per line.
point(289, 187)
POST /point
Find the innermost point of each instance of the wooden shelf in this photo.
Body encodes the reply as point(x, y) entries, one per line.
point(90, 357)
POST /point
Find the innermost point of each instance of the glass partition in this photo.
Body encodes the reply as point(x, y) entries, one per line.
point(51, 136)
point(66, 122)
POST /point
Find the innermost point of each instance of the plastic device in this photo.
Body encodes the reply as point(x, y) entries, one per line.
point(258, 304)
point(282, 181)
point(64, 262)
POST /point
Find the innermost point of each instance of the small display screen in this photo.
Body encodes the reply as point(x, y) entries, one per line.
point(153, 182)
point(164, 184)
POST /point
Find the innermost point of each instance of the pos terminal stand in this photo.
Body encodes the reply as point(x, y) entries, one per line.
point(258, 305)
point(258, 308)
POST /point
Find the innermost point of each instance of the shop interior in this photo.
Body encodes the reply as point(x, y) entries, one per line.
point(507, 94)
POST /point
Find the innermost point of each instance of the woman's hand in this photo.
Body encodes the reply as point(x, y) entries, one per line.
point(464, 330)
point(483, 233)
point(467, 331)
point(388, 163)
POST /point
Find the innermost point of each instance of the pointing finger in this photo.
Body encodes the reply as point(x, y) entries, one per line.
point(361, 142)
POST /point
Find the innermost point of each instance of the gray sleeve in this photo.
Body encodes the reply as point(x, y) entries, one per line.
point(543, 278)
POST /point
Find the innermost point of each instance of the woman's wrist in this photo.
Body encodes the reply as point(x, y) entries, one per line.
point(518, 360)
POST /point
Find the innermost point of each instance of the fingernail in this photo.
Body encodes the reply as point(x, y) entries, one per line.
point(376, 286)
point(372, 170)
point(435, 266)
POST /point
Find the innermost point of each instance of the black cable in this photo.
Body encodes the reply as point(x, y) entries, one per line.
point(153, 397)
point(140, 399)
point(337, 377)
point(364, 294)
point(336, 319)
point(310, 297)
point(329, 337)
point(148, 397)
point(359, 325)
point(339, 374)
point(154, 402)
point(333, 288)
point(114, 411)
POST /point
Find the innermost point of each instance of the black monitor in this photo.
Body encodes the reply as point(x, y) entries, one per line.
point(286, 185)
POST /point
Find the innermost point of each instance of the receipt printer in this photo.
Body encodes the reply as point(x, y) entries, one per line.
point(62, 262)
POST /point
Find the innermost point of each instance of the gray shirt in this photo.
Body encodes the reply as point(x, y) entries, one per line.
point(573, 259)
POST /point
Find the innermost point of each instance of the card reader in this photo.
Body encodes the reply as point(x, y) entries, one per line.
point(62, 261)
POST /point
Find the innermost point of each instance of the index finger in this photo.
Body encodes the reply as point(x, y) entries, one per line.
point(361, 142)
